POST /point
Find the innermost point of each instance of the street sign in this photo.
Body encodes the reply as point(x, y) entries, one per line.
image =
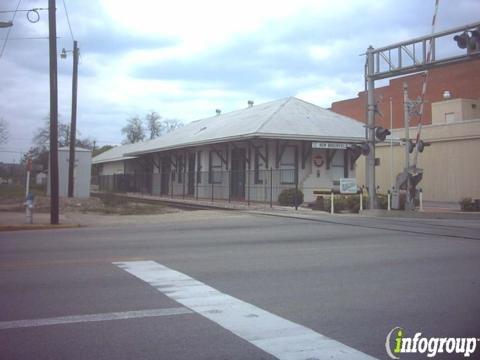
point(348, 186)
point(319, 145)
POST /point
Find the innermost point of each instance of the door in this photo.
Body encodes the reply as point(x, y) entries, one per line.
point(237, 185)
point(165, 177)
point(191, 174)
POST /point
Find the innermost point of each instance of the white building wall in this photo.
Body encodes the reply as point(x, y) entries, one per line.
point(81, 174)
point(273, 180)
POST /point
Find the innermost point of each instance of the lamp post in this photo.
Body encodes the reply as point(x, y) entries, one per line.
point(73, 125)
point(5, 24)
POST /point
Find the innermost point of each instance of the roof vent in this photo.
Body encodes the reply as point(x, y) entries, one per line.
point(447, 95)
point(250, 103)
point(218, 111)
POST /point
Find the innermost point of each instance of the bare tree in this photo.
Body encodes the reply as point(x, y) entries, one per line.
point(41, 138)
point(153, 124)
point(133, 131)
point(4, 133)
point(38, 152)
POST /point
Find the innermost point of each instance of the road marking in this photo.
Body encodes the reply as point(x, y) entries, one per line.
point(73, 262)
point(279, 337)
point(93, 317)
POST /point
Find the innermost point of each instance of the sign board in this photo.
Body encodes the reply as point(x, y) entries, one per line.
point(319, 145)
point(348, 186)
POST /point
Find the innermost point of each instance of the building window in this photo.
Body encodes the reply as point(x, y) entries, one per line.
point(288, 166)
point(214, 168)
point(259, 175)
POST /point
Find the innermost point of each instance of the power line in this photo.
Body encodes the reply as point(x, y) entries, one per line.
point(9, 29)
point(68, 19)
point(21, 10)
point(29, 38)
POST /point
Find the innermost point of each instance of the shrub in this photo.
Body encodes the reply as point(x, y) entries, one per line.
point(287, 197)
point(467, 204)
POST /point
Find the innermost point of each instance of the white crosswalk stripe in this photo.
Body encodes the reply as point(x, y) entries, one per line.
point(277, 336)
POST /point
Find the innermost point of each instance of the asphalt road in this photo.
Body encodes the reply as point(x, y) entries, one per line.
point(349, 279)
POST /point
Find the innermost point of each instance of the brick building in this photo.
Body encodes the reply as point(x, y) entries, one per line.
point(462, 80)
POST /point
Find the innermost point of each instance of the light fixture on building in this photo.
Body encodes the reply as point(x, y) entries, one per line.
point(447, 95)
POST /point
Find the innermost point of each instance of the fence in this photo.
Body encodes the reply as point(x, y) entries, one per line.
point(250, 186)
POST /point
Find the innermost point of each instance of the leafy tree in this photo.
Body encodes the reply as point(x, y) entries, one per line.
point(153, 124)
point(133, 131)
point(4, 133)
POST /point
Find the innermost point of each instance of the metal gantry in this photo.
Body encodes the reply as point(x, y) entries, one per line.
point(406, 57)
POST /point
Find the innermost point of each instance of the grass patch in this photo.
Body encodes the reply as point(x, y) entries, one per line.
point(17, 191)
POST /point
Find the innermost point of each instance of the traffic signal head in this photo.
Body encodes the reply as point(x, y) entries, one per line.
point(382, 133)
point(462, 40)
point(469, 40)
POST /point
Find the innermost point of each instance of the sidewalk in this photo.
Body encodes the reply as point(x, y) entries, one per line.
point(432, 210)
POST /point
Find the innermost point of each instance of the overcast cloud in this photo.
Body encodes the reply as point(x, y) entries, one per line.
point(184, 59)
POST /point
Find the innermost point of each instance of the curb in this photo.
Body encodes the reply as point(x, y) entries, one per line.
point(21, 227)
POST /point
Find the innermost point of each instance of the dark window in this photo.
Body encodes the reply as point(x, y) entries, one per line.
point(199, 167)
point(287, 165)
point(214, 168)
point(259, 175)
point(181, 168)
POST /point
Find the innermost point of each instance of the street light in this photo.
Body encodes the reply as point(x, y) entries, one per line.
point(5, 24)
point(73, 125)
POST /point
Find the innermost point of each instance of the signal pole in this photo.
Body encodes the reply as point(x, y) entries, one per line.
point(52, 41)
point(73, 125)
point(406, 119)
point(370, 163)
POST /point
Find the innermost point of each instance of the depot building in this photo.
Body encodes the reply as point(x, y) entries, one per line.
point(252, 154)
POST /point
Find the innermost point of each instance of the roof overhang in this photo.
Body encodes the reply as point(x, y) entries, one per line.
point(256, 136)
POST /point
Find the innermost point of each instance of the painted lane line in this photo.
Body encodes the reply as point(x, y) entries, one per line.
point(93, 317)
point(279, 337)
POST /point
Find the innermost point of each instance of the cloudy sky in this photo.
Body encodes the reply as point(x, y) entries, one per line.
point(186, 58)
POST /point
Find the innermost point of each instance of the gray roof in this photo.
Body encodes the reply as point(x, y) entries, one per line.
point(288, 118)
point(114, 154)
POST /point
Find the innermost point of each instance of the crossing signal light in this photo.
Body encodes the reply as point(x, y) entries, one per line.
point(357, 150)
point(415, 179)
point(382, 133)
point(420, 146)
point(411, 146)
point(362, 149)
point(469, 40)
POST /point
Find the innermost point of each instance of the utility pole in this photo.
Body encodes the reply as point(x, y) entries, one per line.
point(73, 125)
point(52, 41)
point(370, 163)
